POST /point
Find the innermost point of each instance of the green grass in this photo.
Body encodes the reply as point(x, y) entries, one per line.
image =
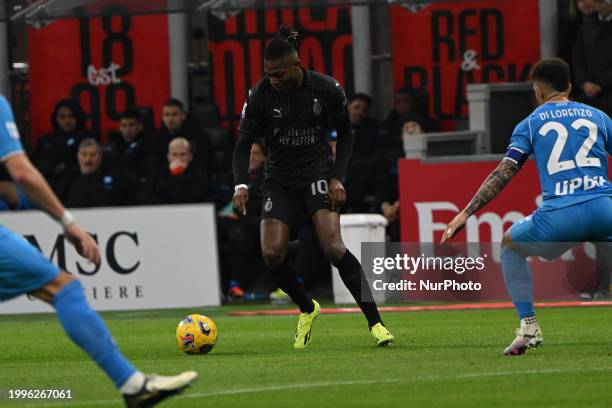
point(441, 359)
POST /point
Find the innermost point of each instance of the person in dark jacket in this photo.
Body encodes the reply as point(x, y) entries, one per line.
point(56, 152)
point(179, 181)
point(364, 126)
point(592, 56)
point(387, 190)
point(361, 172)
point(177, 123)
point(94, 184)
point(131, 145)
point(408, 100)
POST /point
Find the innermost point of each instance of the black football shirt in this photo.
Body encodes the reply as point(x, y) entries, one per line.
point(295, 125)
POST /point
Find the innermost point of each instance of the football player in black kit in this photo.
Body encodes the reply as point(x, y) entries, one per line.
point(292, 108)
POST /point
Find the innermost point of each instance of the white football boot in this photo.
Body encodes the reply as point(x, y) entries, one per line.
point(529, 335)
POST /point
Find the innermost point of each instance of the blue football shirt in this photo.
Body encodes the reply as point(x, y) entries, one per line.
point(9, 135)
point(570, 142)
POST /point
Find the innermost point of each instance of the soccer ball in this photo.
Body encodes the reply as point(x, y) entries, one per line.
point(196, 334)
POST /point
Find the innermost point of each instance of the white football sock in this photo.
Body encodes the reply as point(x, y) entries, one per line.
point(133, 384)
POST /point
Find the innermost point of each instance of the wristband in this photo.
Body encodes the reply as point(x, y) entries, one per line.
point(67, 219)
point(239, 186)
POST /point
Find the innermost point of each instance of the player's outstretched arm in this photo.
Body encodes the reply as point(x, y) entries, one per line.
point(492, 186)
point(36, 188)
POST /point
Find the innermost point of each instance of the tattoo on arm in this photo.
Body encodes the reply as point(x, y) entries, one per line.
point(493, 185)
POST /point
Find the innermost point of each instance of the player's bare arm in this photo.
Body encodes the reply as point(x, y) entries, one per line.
point(492, 186)
point(242, 153)
point(36, 188)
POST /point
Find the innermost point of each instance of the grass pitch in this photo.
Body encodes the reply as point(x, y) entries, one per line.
point(440, 359)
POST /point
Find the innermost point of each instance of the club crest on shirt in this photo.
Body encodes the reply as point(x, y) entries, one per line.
point(12, 130)
point(316, 107)
point(268, 205)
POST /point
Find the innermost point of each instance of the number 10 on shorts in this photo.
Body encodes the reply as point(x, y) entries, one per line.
point(319, 186)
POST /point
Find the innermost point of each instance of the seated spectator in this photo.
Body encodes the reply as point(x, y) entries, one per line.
point(240, 250)
point(131, 146)
point(363, 126)
point(94, 184)
point(176, 123)
point(408, 100)
point(56, 152)
point(387, 194)
point(412, 124)
point(361, 173)
point(178, 181)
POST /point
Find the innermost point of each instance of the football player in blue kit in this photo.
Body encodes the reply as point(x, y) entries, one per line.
point(570, 142)
point(24, 270)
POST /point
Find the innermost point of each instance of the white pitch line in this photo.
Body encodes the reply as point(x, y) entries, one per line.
point(527, 372)
point(282, 387)
point(290, 387)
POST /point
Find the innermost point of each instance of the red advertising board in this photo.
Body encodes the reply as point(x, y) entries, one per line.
point(107, 63)
point(445, 46)
point(237, 44)
point(432, 194)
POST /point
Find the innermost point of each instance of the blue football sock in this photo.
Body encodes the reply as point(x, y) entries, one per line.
point(517, 276)
point(87, 330)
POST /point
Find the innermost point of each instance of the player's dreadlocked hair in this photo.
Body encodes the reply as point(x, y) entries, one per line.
point(283, 44)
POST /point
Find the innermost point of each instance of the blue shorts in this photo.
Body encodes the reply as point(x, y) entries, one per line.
point(589, 221)
point(24, 202)
point(23, 269)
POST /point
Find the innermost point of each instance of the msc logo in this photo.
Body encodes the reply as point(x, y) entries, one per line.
point(118, 239)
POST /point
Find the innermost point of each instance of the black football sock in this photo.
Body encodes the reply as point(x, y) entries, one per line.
point(285, 278)
point(352, 274)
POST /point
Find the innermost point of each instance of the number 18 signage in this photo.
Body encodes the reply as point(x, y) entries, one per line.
point(107, 63)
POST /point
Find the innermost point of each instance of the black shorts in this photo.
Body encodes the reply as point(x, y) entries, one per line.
point(295, 208)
